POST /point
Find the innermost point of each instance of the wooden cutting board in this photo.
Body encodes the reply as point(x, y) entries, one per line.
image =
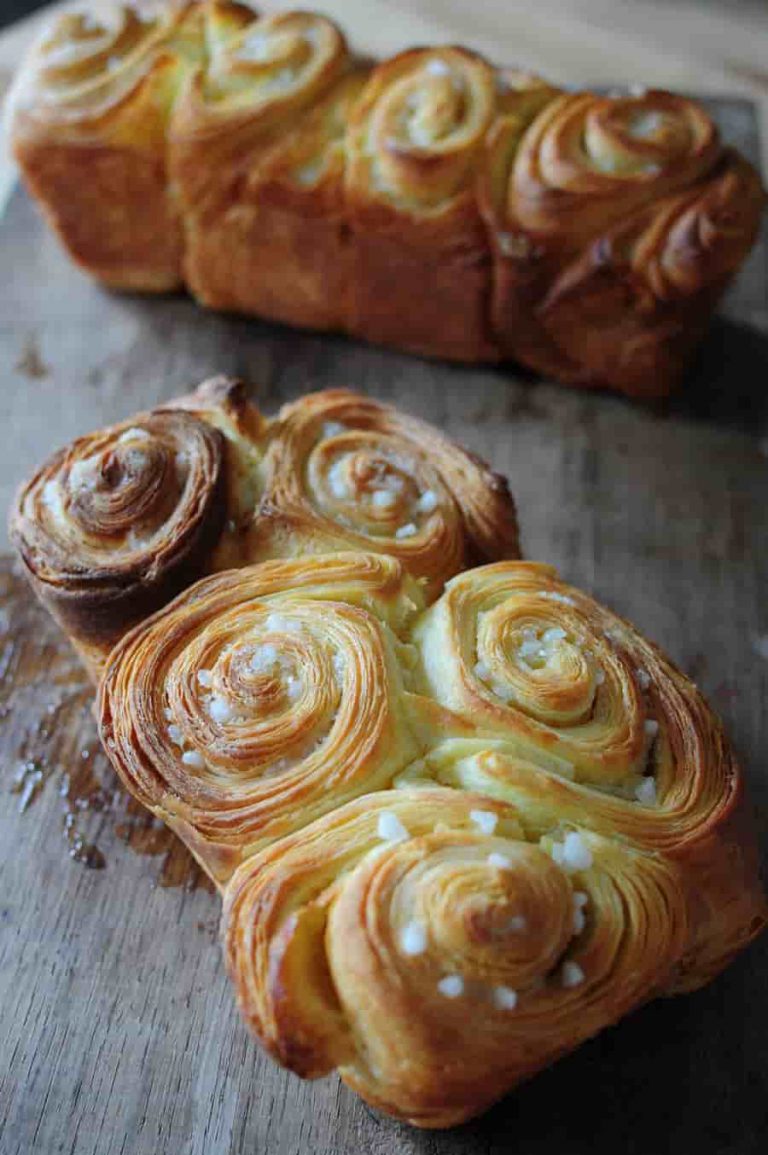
point(118, 1030)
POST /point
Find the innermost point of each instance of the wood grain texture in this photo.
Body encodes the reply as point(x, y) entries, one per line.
point(118, 1029)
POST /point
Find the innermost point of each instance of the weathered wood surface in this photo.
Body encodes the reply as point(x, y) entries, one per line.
point(118, 1029)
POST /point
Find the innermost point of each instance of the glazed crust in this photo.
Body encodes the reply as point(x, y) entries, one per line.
point(616, 225)
point(432, 203)
point(90, 113)
point(113, 526)
point(453, 841)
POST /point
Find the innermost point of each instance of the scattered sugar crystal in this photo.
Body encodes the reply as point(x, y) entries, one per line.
point(599, 677)
point(576, 853)
point(556, 853)
point(390, 828)
point(505, 998)
point(437, 67)
point(176, 736)
point(427, 501)
point(555, 634)
point(482, 671)
point(505, 693)
point(307, 174)
point(409, 530)
point(645, 792)
point(572, 974)
point(52, 496)
point(531, 649)
point(572, 853)
point(82, 474)
point(451, 986)
point(413, 939)
point(499, 860)
point(279, 624)
point(383, 498)
point(644, 678)
point(485, 820)
point(263, 658)
point(337, 481)
point(220, 709)
point(135, 434)
point(254, 48)
point(651, 728)
point(205, 678)
point(333, 429)
point(193, 758)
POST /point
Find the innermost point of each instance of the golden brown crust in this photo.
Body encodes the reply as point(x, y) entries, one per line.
point(453, 842)
point(617, 222)
point(115, 525)
point(432, 203)
point(255, 152)
point(278, 247)
point(274, 681)
point(317, 942)
point(593, 723)
point(421, 277)
point(89, 113)
point(346, 471)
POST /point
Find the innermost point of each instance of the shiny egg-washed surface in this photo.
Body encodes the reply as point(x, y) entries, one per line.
point(453, 841)
point(111, 527)
point(431, 202)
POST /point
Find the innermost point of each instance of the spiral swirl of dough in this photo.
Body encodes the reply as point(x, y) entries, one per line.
point(92, 62)
point(587, 160)
point(420, 122)
point(419, 942)
point(122, 519)
point(345, 471)
point(699, 238)
point(453, 841)
point(589, 721)
point(541, 664)
point(261, 699)
point(260, 68)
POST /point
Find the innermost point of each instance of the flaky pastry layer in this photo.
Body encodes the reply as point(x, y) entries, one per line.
point(113, 526)
point(453, 841)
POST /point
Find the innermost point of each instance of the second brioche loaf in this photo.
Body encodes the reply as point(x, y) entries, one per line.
point(431, 202)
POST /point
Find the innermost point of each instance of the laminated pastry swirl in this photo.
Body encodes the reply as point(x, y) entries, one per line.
point(113, 526)
point(431, 202)
point(453, 841)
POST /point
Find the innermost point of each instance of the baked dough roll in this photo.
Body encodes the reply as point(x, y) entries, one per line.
point(425, 945)
point(616, 224)
point(110, 528)
point(345, 471)
point(261, 699)
point(89, 115)
point(257, 156)
point(453, 842)
point(421, 272)
point(564, 708)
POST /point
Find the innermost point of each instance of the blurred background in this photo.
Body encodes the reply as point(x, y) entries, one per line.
point(11, 10)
